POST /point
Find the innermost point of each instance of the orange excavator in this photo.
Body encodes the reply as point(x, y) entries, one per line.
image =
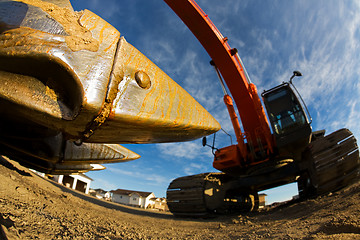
point(268, 153)
point(72, 89)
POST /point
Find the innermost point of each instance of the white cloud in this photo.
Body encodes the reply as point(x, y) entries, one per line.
point(322, 42)
point(106, 9)
point(102, 183)
point(160, 51)
point(195, 168)
point(331, 67)
point(184, 150)
point(155, 179)
point(144, 174)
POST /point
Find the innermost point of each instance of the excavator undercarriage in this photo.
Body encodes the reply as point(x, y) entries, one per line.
point(328, 164)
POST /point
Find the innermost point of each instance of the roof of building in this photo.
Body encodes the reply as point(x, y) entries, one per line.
point(75, 175)
point(129, 192)
point(158, 199)
point(99, 190)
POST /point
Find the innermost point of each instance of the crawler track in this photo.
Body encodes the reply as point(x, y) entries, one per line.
point(333, 161)
point(329, 163)
point(207, 194)
point(185, 195)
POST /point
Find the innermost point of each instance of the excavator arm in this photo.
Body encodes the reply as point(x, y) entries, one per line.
point(257, 134)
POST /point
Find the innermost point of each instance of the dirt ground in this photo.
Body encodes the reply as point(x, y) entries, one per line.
point(35, 208)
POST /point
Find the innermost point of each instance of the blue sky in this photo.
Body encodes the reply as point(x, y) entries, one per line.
point(274, 37)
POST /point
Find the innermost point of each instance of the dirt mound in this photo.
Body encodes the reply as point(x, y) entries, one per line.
point(35, 208)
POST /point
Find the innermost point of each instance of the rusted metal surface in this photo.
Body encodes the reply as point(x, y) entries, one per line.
point(70, 74)
point(164, 112)
point(97, 153)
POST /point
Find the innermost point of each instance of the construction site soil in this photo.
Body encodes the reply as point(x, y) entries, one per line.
point(32, 207)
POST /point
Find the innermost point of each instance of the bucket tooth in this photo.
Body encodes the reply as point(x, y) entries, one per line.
point(60, 169)
point(97, 153)
point(149, 107)
point(97, 167)
point(54, 153)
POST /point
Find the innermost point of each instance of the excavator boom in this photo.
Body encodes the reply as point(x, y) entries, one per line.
point(253, 118)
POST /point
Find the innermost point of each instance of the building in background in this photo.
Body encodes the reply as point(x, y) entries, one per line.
point(158, 204)
point(79, 182)
point(132, 198)
point(100, 194)
point(262, 200)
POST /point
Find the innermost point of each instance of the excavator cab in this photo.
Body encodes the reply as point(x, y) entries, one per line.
point(289, 122)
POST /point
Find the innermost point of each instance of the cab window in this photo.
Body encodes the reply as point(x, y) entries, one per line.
point(284, 110)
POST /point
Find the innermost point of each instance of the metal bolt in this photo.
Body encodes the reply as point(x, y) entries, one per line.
point(142, 79)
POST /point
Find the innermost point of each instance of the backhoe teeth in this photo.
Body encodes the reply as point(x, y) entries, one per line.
point(97, 167)
point(60, 169)
point(68, 76)
point(97, 153)
point(81, 78)
point(53, 154)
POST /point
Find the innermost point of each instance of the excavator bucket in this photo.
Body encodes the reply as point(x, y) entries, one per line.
point(70, 77)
